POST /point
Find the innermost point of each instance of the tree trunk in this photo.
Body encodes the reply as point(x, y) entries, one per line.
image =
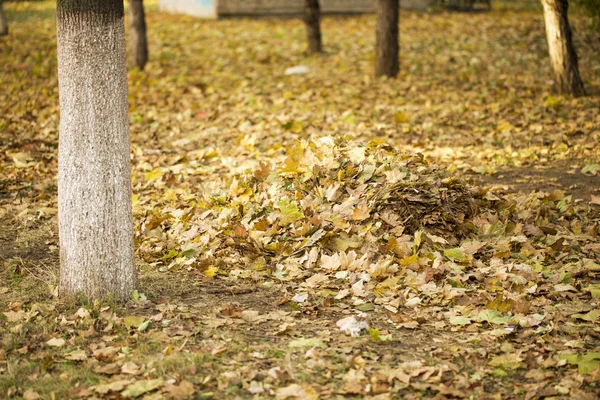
point(387, 48)
point(139, 43)
point(312, 18)
point(560, 46)
point(94, 172)
point(3, 22)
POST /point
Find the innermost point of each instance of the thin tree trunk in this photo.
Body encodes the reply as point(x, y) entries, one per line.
point(312, 18)
point(387, 48)
point(139, 42)
point(3, 22)
point(94, 172)
point(560, 46)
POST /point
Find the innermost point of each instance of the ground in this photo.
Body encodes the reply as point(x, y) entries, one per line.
point(450, 216)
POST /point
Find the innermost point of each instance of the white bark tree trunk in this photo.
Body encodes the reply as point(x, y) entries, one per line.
point(560, 45)
point(94, 172)
point(3, 22)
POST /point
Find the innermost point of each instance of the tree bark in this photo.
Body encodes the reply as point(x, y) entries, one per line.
point(139, 42)
point(312, 17)
point(94, 171)
point(560, 45)
point(3, 22)
point(386, 43)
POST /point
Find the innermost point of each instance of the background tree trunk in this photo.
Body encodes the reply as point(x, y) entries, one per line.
point(560, 46)
point(94, 171)
point(386, 46)
point(139, 42)
point(3, 22)
point(312, 19)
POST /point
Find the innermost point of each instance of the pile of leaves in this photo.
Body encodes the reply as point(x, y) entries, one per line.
point(379, 226)
point(330, 196)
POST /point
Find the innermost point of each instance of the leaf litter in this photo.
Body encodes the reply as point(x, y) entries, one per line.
point(308, 236)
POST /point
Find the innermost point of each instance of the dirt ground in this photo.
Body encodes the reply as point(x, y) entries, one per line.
point(545, 178)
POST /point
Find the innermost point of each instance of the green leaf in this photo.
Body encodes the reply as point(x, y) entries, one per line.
point(493, 317)
point(154, 175)
point(594, 291)
point(551, 101)
point(189, 253)
point(571, 358)
point(290, 209)
point(401, 118)
point(591, 169)
point(455, 254)
point(133, 321)
point(172, 253)
point(143, 326)
point(365, 307)
point(418, 238)
point(587, 366)
point(137, 296)
point(374, 333)
point(377, 336)
point(590, 356)
point(586, 363)
point(499, 372)
point(590, 316)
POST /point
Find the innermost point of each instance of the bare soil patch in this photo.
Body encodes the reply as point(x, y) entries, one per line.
point(565, 176)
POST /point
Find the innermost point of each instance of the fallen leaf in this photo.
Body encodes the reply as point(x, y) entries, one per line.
point(15, 316)
point(77, 355)
point(590, 316)
point(130, 368)
point(401, 118)
point(108, 369)
point(184, 390)
point(290, 209)
point(456, 254)
point(591, 169)
point(459, 320)
point(56, 342)
point(297, 392)
point(493, 317)
point(114, 386)
point(138, 388)
point(29, 394)
point(507, 361)
point(133, 321)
